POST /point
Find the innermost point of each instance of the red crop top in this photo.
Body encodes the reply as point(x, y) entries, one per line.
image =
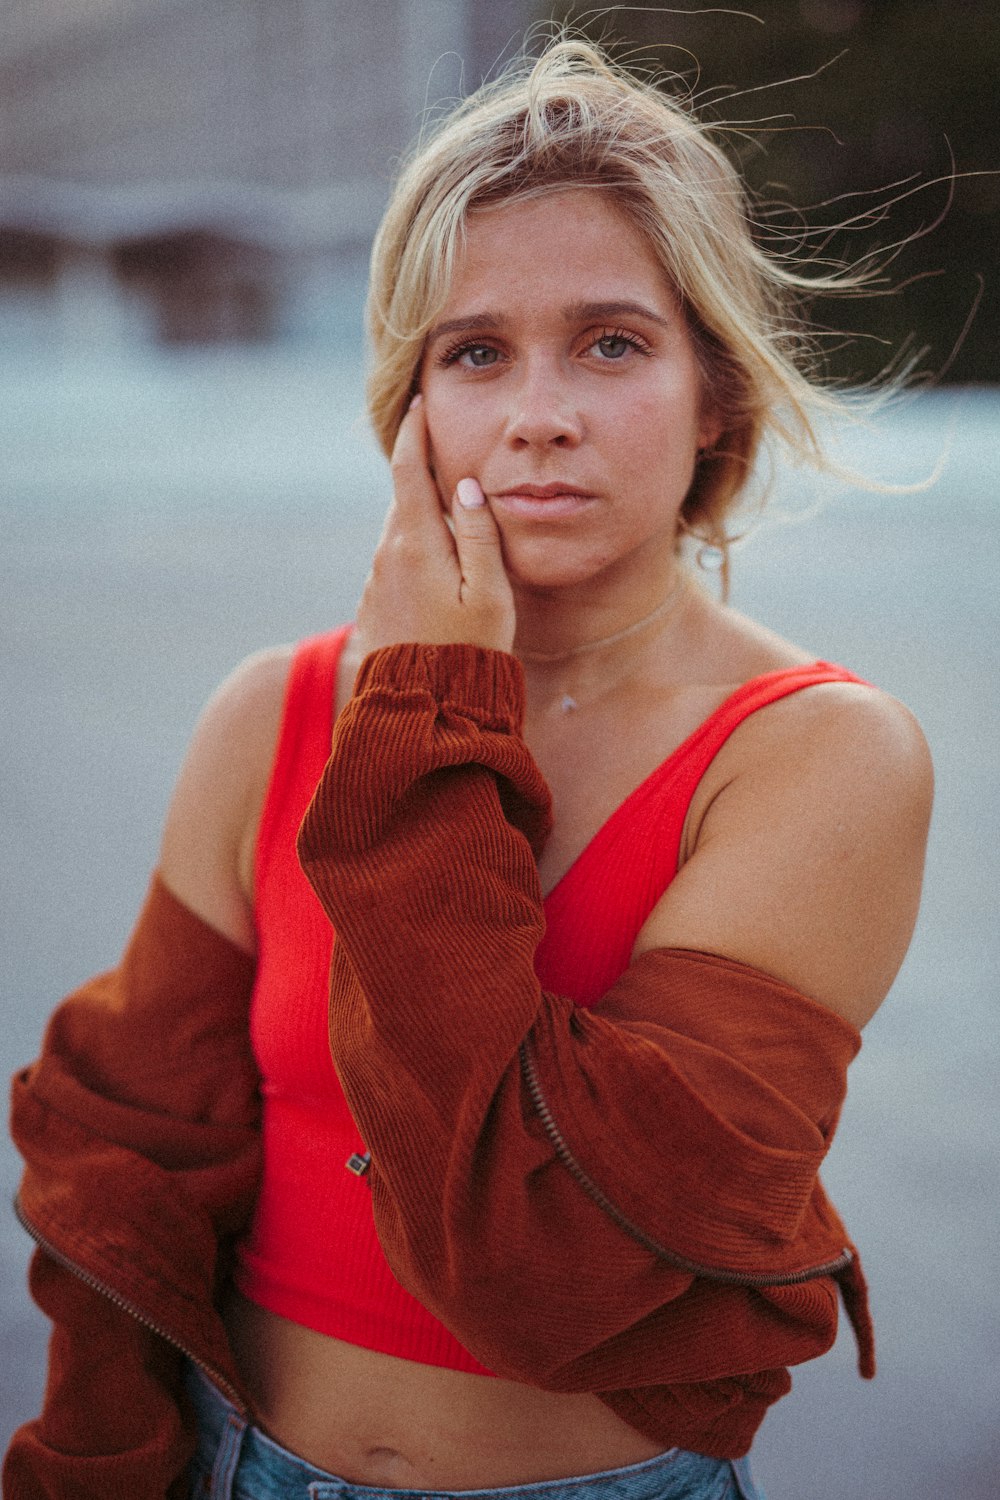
point(311, 1253)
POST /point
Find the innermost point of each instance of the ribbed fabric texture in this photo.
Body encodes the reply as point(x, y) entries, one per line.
point(139, 1129)
point(312, 1253)
point(705, 1132)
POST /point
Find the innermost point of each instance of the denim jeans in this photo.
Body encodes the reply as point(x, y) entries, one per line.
point(236, 1461)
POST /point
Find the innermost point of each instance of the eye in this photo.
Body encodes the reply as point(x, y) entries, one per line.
point(471, 356)
point(614, 345)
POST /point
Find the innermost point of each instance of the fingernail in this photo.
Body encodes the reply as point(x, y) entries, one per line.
point(415, 402)
point(469, 494)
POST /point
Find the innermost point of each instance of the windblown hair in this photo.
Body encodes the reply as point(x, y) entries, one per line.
point(572, 118)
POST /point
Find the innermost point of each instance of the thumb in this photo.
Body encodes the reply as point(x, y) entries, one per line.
point(477, 542)
point(486, 594)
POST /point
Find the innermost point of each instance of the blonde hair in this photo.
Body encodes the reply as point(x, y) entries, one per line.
point(572, 118)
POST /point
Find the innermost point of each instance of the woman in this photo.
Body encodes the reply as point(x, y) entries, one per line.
point(616, 876)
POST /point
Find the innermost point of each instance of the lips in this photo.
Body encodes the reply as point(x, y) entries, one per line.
point(552, 491)
point(542, 501)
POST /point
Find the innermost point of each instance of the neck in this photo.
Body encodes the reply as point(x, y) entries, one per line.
point(604, 642)
point(578, 656)
point(559, 626)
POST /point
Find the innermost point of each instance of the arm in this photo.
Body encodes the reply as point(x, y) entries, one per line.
point(138, 1124)
point(699, 1096)
point(138, 1128)
point(806, 850)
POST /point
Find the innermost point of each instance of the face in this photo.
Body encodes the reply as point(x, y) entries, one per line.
point(561, 375)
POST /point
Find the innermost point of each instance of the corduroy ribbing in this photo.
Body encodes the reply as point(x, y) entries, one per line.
point(311, 1253)
point(419, 844)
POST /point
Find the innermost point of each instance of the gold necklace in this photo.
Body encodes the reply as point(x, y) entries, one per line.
point(569, 703)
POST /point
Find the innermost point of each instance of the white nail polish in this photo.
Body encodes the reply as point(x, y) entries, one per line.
point(469, 494)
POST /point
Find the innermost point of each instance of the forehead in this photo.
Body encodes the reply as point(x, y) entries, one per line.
point(570, 245)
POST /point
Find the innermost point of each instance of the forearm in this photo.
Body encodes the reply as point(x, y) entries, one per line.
point(111, 1427)
point(138, 1125)
point(415, 844)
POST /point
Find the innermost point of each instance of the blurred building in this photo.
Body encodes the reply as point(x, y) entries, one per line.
point(205, 169)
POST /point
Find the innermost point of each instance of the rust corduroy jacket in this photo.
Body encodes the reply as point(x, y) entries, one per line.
point(621, 1200)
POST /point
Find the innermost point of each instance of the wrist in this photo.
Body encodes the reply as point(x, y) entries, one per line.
point(478, 681)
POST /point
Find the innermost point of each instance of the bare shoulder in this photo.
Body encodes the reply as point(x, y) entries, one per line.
point(250, 699)
point(808, 855)
point(846, 736)
point(206, 854)
point(839, 729)
point(837, 732)
point(847, 762)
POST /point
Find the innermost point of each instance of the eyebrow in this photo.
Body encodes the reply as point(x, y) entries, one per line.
point(574, 312)
point(607, 310)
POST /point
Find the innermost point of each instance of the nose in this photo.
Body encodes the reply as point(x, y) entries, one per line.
point(543, 410)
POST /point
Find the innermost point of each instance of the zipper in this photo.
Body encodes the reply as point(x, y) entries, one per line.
point(711, 1273)
point(128, 1307)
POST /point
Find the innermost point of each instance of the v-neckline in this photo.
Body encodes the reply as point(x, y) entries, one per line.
point(659, 770)
point(665, 765)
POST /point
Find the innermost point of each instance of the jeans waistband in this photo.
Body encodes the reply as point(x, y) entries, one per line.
point(236, 1461)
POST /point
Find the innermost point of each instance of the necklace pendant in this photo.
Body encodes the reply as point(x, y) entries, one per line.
point(568, 704)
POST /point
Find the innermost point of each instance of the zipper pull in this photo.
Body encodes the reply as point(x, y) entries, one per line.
point(358, 1163)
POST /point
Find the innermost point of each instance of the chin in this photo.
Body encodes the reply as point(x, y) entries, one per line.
point(543, 578)
point(554, 566)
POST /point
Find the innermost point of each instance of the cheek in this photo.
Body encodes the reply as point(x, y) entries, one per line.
point(454, 440)
point(654, 439)
point(440, 437)
point(665, 425)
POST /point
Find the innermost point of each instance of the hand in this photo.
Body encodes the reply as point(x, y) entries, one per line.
point(426, 584)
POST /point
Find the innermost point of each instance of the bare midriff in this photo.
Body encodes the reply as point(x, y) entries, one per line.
point(375, 1419)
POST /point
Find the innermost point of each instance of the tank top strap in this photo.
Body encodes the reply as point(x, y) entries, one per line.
point(594, 913)
point(303, 743)
point(690, 760)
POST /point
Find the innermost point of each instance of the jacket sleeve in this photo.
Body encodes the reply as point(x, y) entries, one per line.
point(138, 1125)
point(692, 1106)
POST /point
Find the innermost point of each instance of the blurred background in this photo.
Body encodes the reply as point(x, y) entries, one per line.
point(187, 195)
point(176, 172)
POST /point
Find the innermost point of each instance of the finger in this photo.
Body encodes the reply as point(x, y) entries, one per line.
point(416, 492)
point(477, 542)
